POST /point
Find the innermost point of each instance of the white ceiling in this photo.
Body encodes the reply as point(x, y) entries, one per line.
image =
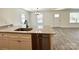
point(42, 9)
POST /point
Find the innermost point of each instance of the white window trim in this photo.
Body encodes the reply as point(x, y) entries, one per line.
point(76, 20)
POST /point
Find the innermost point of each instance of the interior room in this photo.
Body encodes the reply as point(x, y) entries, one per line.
point(39, 29)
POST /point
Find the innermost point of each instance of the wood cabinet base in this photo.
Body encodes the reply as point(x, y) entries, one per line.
point(40, 41)
point(15, 41)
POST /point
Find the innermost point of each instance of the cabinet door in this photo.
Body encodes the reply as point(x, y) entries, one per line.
point(19, 44)
point(41, 41)
point(3, 44)
point(13, 44)
point(45, 42)
point(18, 41)
point(25, 44)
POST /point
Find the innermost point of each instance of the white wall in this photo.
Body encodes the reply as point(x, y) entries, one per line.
point(65, 18)
point(33, 20)
point(12, 16)
point(27, 15)
point(47, 17)
point(49, 20)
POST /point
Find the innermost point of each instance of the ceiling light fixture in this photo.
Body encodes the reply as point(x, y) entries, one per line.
point(37, 11)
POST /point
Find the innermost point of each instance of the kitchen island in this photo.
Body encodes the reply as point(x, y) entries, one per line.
point(36, 39)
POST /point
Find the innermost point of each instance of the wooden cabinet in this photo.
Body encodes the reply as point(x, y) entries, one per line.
point(20, 44)
point(19, 41)
point(41, 41)
point(15, 41)
point(3, 42)
point(45, 41)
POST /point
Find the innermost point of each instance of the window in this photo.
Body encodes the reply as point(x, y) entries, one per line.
point(74, 17)
point(56, 15)
point(23, 18)
point(39, 18)
point(40, 21)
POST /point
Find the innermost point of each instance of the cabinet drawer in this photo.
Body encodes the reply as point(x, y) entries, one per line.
point(3, 44)
point(1, 34)
point(20, 44)
point(21, 40)
point(45, 36)
point(17, 35)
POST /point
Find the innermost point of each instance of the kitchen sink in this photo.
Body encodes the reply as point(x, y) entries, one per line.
point(23, 29)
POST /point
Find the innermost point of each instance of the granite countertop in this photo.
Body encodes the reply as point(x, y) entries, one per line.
point(40, 31)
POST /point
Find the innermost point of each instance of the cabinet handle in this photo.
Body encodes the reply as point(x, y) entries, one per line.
point(19, 41)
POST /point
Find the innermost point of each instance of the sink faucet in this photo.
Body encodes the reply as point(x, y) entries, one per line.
point(26, 23)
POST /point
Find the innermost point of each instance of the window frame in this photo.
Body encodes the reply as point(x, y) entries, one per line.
point(74, 19)
point(40, 21)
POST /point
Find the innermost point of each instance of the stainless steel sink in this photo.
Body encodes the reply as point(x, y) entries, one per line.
point(23, 29)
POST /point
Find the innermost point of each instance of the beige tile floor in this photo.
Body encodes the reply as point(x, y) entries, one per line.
point(66, 39)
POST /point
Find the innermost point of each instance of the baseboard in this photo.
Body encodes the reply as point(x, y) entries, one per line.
point(65, 27)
